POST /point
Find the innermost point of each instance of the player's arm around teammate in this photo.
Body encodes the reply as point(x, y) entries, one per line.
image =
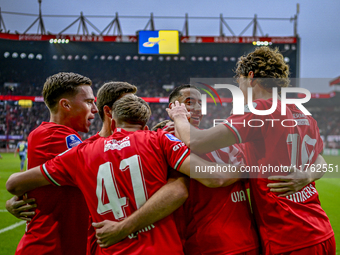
point(21, 208)
point(18, 184)
point(202, 141)
point(263, 147)
point(165, 201)
point(298, 179)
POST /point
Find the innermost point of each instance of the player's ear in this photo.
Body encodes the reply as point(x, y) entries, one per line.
point(251, 74)
point(65, 104)
point(107, 111)
point(146, 127)
point(252, 80)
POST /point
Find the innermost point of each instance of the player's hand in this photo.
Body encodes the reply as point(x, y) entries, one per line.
point(291, 183)
point(109, 232)
point(21, 208)
point(178, 110)
point(170, 127)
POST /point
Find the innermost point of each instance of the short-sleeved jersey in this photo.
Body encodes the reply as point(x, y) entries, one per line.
point(219, 220)
point(292, 222)
point(60, 222)
point(119, 174)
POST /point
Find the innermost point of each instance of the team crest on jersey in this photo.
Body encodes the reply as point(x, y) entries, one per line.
point(172, 138)
point(246, 107)
point(72, 141)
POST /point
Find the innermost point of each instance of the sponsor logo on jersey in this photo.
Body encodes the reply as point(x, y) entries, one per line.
point(177, 146)
point(238, 196)
point(116, 145)
point(72, 141)
point(172, 138)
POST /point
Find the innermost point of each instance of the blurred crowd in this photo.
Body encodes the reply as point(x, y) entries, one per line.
point(21, 121)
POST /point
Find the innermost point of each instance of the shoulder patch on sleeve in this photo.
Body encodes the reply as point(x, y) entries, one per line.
point(246, 107)
point(172, 138)
point(72, 141)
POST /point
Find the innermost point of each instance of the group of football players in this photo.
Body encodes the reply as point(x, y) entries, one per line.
point(122, 192)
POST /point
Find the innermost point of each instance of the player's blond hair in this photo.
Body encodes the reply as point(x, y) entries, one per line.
point(132, 109)
point(62, 85)
point(266, 63)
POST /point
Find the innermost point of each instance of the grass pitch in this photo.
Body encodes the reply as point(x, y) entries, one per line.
point(8, 239)
point(329, 191)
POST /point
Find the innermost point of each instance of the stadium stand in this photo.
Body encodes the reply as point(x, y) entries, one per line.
point(27, 62)
point(21, 121)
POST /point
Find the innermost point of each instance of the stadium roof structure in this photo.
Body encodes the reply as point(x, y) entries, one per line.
point(115, 28)
point(336, 81)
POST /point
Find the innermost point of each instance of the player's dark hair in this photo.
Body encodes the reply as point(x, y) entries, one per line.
point(176, 93)
point(110, 92)
point(132, 109)
point(62, 85)
point(266, 63)
point(160, 125)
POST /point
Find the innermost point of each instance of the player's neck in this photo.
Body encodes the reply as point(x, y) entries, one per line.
point(61, 120)
point(129, 127)
point(261, 93)
point(106, 129)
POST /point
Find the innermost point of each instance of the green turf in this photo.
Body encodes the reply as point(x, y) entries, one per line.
point(9, 239)
point(329, 189)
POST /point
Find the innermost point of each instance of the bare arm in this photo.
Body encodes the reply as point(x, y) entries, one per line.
point(164, 202)
point(199, 141)
point(297, 179)
point(212, 179)
point(19, 183)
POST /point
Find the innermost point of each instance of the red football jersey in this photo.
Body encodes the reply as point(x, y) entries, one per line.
point(91, 233)
point(92, 138)
point(119, 174)
point(219, 220)
point(60, 222)
point(285, 223)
